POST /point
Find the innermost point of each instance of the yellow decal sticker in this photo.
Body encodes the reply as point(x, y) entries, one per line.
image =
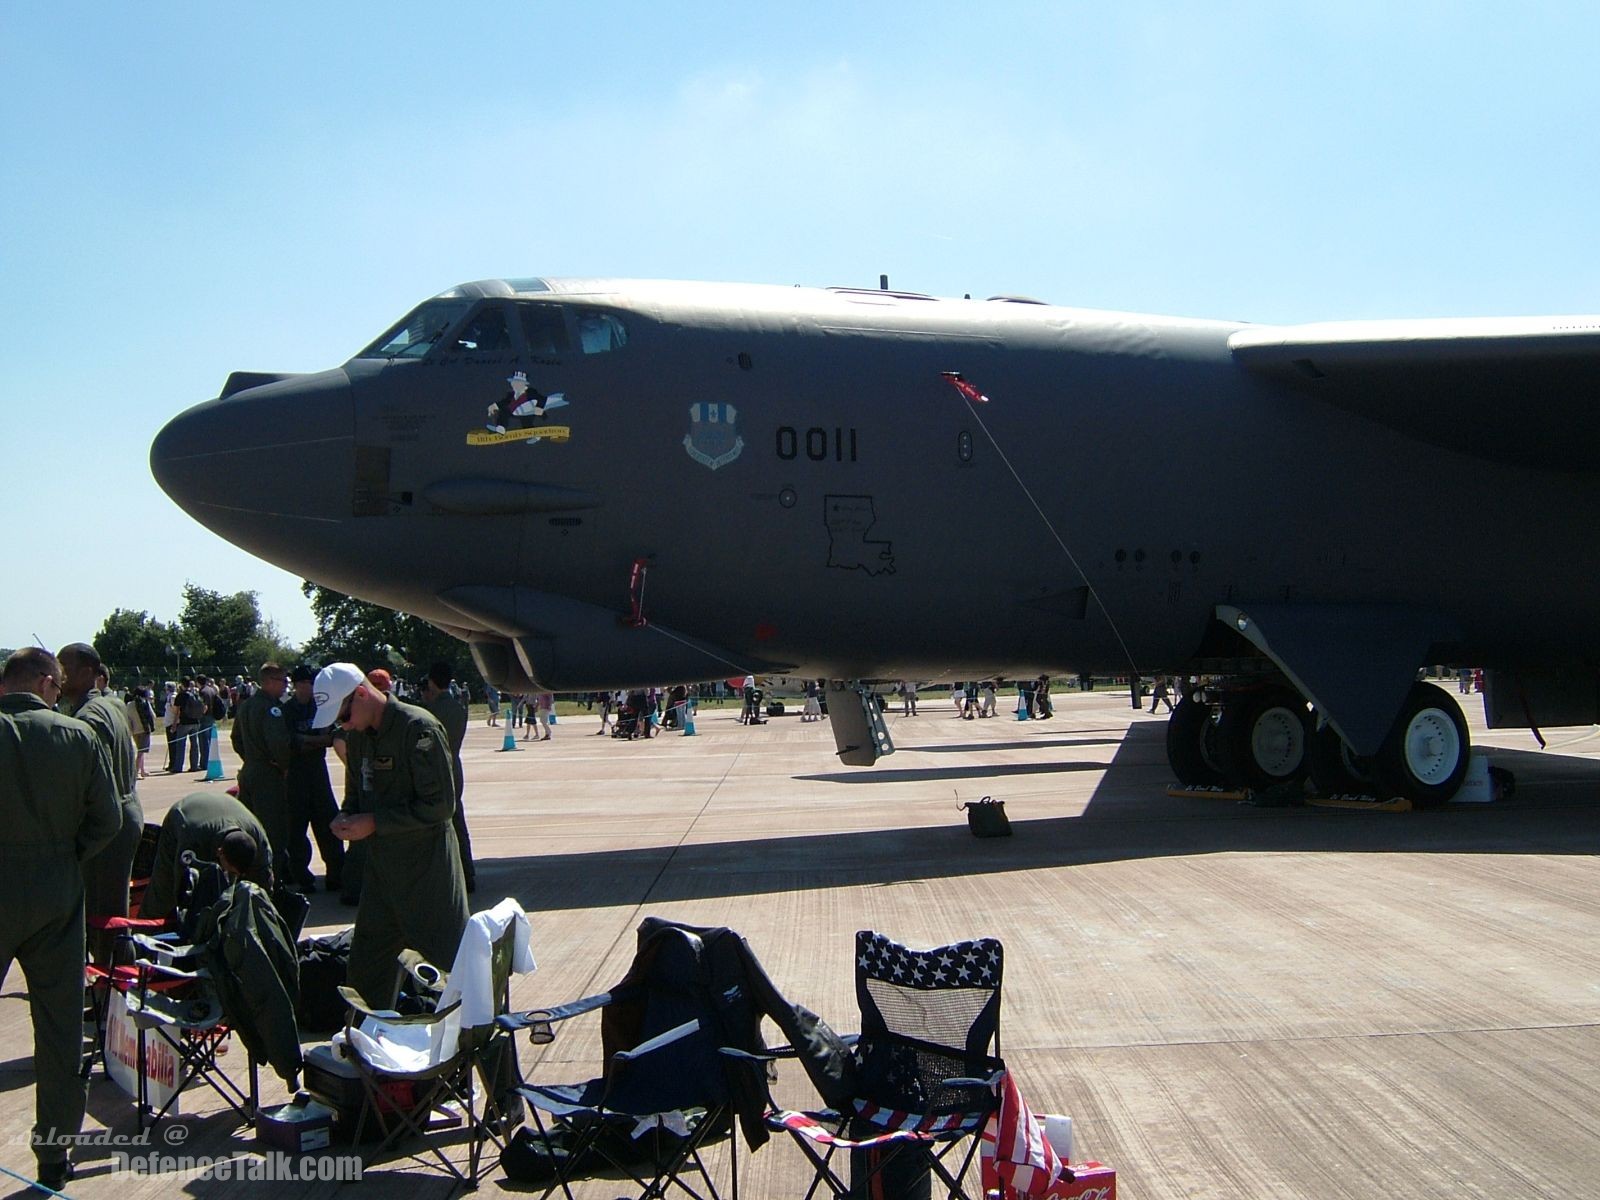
point(539, 433)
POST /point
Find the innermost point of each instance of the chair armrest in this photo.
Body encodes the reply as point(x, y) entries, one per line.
point(423, 972)
point(676, 1034)
point(988, 1082)
point(161, 944)
point(354, 1000)
point(523, 1020)
point(747, 1056)
point(561, 1012)
point(120, 924)
point(155, 968)
point(535, 1021)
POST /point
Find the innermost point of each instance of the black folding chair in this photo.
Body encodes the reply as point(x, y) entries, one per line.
point(927, 1061)
point(664, 1093)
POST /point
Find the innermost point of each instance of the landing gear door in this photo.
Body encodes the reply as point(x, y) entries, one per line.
point(859, 731)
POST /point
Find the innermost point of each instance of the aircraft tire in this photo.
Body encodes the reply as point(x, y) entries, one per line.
point(1335, 770)
point(1263, 739)
point(1187, 727)
point(1424, 758)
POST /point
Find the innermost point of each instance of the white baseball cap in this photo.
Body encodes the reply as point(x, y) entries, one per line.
point(331, 688)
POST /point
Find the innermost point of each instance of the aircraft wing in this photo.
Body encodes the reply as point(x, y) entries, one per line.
point(1522, 390)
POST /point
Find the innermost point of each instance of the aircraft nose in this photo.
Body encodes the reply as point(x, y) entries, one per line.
point(279, 449)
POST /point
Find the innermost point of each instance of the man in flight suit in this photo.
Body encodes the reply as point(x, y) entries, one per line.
point(400, 800)
point(198, 823)
point(262, 741)
point(311, 799)
point(58, 808)
point(438, 699)
point(105, 877)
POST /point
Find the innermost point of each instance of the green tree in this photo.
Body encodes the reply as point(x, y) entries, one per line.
point(370, 635)
point(225, 632)
point(136, 646)
point(269, 645)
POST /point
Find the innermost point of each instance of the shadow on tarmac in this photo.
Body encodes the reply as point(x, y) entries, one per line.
point(935, 774)
point(980, 747)
point(1128, 817)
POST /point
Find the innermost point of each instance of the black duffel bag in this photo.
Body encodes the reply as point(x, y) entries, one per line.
point(323, 964)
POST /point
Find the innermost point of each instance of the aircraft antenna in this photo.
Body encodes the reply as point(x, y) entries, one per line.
point(699, 649)
point(973, 398)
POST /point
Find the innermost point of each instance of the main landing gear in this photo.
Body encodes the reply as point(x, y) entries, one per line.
point(1255, 735)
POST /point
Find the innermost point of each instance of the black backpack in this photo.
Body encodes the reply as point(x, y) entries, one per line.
point(191, 708)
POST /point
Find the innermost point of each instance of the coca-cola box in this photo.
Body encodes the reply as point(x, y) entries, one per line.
point(1090, 1181)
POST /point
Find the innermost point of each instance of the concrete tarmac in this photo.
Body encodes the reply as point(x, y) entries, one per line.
point(1229, 1001)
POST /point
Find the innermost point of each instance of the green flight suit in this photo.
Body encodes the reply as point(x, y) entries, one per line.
point(198, 823)
point(58, 808)
point(413, 896)
point(262, 740)
point(105, 876)
point(453, 716)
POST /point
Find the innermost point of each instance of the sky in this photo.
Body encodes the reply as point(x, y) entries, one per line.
point(188, 190)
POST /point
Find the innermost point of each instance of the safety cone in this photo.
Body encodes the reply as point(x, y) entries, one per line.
point(1022, 706)
point(688, 721)
point(214, 759)
point(510, 740)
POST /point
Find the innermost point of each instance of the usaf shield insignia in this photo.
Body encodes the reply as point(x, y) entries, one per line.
point(713, 439)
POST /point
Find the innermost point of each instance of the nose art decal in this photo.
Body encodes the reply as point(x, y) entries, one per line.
point(519, 416)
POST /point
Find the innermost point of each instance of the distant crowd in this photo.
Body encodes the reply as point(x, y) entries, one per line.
point(186, 711)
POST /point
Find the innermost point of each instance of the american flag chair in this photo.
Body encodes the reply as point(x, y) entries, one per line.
point(928, 1061)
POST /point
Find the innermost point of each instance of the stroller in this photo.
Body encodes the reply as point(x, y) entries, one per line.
point(633, 718)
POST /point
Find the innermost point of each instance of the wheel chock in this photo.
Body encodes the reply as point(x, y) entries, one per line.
point(1362, 803)
point(1208, 793)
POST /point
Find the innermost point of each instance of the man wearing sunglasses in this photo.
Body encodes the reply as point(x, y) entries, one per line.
point(400, 800)
point(60, 808)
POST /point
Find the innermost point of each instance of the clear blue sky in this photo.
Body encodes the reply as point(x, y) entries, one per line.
point(186, 190)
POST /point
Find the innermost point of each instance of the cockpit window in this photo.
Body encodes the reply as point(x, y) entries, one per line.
point(545, 328)
point(416, 334)
point(599, 332)
point(484, 333)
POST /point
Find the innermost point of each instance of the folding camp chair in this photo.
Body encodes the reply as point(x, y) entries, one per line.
point(167, 993)
point(410, 1066)
point(927, 1061)
point(664, 1094)
point(102, 982)
point(174, 1006)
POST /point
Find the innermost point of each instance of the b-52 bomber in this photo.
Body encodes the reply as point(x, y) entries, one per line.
point(601, 483)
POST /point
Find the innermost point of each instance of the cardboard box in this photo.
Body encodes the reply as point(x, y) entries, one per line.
point(1090, 1181)
point(298, 1127)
